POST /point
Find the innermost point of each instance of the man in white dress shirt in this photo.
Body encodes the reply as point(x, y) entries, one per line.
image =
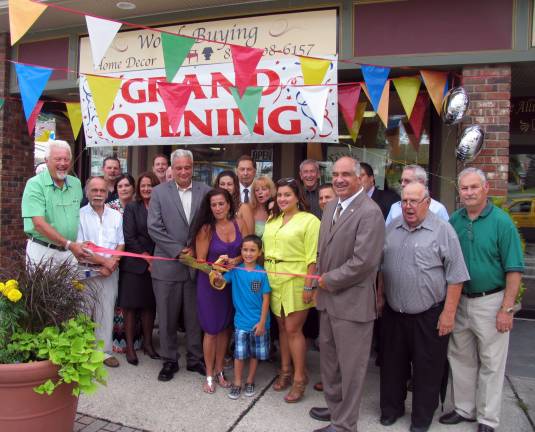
point(103, 226)
point(415, 173)
point(246, 172)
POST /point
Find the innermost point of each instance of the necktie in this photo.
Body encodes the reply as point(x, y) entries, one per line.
point(337, 213)
point(246, 195)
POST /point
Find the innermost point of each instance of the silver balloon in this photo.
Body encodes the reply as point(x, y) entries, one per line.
point(470, 143)
point(454, 105)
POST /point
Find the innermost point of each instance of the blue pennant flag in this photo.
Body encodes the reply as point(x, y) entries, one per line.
point(32, 82)
point(375, 78)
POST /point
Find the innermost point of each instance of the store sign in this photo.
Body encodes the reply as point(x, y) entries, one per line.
point(138, 116)
point(523, 116)
point(311, 33)
point(262, 155)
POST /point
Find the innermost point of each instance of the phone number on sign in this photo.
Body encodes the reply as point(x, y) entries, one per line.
point(289, 48)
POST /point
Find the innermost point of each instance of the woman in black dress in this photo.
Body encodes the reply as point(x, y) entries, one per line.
point(135, 286)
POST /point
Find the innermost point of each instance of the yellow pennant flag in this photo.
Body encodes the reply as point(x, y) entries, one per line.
point(382, 112)
point(103, 90)
point(75, 117)
point(435, 83)
point(22, 15)
point(407, 88)
point(357, 123)
point(314, 70)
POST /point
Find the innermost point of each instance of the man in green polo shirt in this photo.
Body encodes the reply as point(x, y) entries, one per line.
point(478, 345)
point(51, 208)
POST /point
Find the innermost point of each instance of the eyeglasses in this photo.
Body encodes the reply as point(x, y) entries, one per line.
point(286, 181)
point(412, 203)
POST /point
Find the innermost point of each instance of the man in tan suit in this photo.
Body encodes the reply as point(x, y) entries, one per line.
point(350, 246)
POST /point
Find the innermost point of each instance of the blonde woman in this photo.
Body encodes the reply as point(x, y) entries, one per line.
point(262, 202)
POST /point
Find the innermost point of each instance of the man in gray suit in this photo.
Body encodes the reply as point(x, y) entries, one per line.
point(172, 210)
point(350, 247)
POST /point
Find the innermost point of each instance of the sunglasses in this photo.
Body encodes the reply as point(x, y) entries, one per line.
point(287, 181)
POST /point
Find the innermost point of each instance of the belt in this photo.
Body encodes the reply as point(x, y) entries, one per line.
point(273, 261)
point(482, 294)
point(48, 245)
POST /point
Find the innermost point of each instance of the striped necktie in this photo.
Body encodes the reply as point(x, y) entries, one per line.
point(337, 213)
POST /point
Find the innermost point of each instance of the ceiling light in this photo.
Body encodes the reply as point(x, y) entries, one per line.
point(125, 5)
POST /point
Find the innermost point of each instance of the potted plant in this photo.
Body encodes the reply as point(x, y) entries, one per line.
point(48, 351)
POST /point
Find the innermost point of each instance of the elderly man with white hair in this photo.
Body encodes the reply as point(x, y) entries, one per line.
point(51, 207)
point(415, 173)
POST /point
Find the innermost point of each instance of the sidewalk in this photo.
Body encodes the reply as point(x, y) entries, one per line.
point(135, 401)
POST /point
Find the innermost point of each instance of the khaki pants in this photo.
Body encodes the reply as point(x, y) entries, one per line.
point(36, 253)
point(477, 354)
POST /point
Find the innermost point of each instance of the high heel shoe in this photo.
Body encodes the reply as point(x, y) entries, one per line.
point(132, 360)
point(152, 354)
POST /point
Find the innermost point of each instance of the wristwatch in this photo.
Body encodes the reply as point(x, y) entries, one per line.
point(508, 310)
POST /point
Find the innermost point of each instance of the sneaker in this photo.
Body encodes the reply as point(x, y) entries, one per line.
point(249, 389)
point(234, 392)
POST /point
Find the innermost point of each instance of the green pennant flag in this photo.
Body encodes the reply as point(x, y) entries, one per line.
point(2, 100)
point(175, 50)
point(248, 104)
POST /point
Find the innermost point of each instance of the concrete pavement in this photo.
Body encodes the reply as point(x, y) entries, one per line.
point(134, 400)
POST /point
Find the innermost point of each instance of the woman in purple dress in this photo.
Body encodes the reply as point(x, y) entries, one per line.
point(218, 235)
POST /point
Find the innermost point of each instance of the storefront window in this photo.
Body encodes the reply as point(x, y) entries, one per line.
point(98, 154)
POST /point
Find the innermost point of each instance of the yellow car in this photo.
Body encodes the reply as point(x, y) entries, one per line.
point(522, 211)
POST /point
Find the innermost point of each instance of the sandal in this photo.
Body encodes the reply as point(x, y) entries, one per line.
point(283, 381)
point(222, 380)
point(297, 392)
point(209, 385)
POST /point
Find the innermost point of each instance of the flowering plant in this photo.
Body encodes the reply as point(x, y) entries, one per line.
point(43, 310)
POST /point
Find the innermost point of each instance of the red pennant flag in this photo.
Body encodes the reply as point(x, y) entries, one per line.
point(33, 116)
point(348, 97)
point(418, 114)
point(245, 62)
point(175, 97)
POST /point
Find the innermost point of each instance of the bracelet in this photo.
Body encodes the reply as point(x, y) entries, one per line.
point(67, 244)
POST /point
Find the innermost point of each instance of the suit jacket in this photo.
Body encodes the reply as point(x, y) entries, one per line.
point(349, 254)
point(136, 237)
point(385, 199)
point(169, 228)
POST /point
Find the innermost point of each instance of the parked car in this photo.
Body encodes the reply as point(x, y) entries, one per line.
point(522, 210)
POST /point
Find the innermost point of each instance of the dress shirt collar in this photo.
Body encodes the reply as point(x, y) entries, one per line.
point(190, 187)
point(371, 191)
point(427, 223)
point(347, 202)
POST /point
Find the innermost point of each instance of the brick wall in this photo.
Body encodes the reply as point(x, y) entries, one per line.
point(489, 88)
point(16, 164)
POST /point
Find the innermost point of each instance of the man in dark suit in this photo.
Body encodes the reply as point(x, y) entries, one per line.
point(172, 210)
point(383, 198)
point(349, 252)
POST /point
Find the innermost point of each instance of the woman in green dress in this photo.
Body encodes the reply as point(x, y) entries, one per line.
point(262, 200)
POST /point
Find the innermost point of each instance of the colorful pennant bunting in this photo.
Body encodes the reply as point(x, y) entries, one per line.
point(103, 90)
point(248, 104)
point(2, 100)
point(314, 70)
point(435, 82)
point(416, 120)
point(316, 99)
point(75, 117)
point(101, 34)
point(382, 112)
point(175, 97)
point(357, 122)
point(407, 88)
point(245, 62)
point(33, 116)
point(175, 50)
point(22, 15)
point(375, 78)
point(32, 82)
point(348, 97)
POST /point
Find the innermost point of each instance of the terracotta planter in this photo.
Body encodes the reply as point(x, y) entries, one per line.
point(23, 410)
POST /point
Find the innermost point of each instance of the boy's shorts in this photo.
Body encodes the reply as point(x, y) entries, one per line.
point(247, 345)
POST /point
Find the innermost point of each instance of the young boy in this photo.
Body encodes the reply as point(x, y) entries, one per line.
point(250, 295)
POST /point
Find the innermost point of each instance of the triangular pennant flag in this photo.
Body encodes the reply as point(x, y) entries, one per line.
point(316, 99)
point(314, 70)
point(416, 120)
point(435, 83)
point(382, 112)
point(348, 97)
point(407, 88)
point(103, 90)
point(175, 97)
point(415, 143)
point(248, 104)
point(74, 112)
point(33, 116)
point(32, 82)
point(101, 34)
point(175, 50)
point(2, 100)
point(22, 15)
point(245, 62)
point(357, 122)
point(375, 78)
